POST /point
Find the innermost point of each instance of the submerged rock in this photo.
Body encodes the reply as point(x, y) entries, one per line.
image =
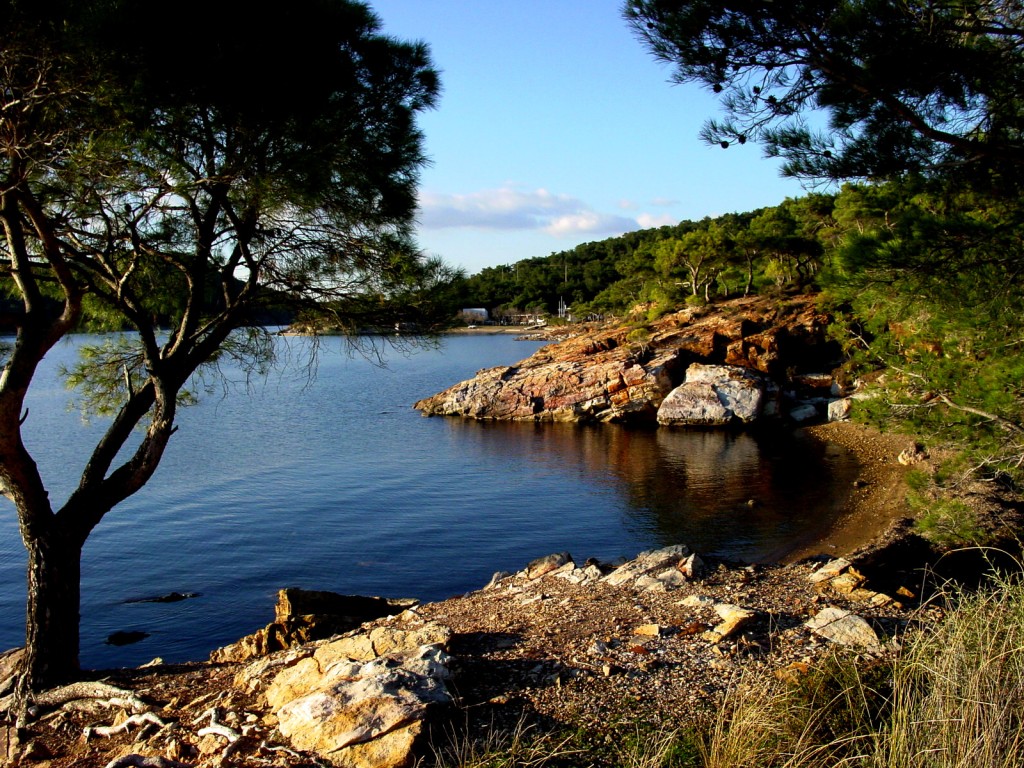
point(126, 637)
point(171, 597)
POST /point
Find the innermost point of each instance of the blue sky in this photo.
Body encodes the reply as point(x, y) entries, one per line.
point(556, 127)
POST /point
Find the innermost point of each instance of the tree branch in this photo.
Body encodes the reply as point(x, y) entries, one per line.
point(1010, 425)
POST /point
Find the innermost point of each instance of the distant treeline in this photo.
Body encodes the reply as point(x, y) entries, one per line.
point(693, 261)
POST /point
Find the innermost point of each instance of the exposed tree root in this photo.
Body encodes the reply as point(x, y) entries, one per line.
point(113, 696)
point(106, 731)
point(220, 730)
point(138, 761)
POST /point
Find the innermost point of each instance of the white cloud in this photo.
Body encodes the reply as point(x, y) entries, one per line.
point(504, 208)
point(648, 220)
point(514, 208)
point(589, 223)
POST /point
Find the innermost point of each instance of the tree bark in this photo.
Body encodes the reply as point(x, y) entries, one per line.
point(51, 635)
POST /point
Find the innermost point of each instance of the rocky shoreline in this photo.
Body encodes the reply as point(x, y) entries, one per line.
point(746, 360)
point(586, 645)
point(656, 640)
point(578, 645)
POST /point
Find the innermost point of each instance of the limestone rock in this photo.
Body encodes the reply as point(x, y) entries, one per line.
point(649, 630)
point(578, 387)
point(733, 619)
point(670, 578)
point(360, 700)
point(586, 575)
point(912, 455)
point(844, 628)
point(697, 601)
point(544, 565)
point(302, 616)
point(9, 663)
point(876, 599)
point(696, 404)
point(387, 640)
point(847, 582)
point(394, 749)
point(648, 562)
point(497, 578)
point(377, 701)
point(828, 571)
point(839, 410)
point(714, 395)
point(381, 641)
point(692, 567)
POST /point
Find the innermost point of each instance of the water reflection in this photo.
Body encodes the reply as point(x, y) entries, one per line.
point(747, 495)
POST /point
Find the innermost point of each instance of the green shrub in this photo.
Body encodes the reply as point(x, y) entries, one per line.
point(918, 481)
point(640, 336)
point(950, 523)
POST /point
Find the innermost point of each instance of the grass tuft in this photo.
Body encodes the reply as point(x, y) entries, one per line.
point(524, 746)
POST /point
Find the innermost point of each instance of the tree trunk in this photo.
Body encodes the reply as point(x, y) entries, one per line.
point(51, 625)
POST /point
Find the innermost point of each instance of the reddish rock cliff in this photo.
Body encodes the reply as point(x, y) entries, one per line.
point(601, 375)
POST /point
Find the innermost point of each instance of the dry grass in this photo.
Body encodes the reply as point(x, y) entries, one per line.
point(955, 699)
point(958, 696)
point(768, 723)
point(648, 750)
point(522, 747)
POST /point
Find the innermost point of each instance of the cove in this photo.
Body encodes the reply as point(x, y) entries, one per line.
point(334, 482)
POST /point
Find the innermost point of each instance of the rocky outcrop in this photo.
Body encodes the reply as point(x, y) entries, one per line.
point(301, 616)
point(570, 383)
point(610, 375)
point(358, 701)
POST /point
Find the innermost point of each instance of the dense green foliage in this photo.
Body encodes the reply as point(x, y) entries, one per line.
point(925, 276)
point(845, 89)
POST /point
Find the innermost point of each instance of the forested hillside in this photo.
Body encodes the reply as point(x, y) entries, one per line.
point(785, 245)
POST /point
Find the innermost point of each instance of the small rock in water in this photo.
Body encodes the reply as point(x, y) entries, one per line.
point(171, 597)
point(126, 638)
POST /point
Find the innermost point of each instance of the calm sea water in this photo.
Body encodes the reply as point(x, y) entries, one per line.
point(337, 483)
